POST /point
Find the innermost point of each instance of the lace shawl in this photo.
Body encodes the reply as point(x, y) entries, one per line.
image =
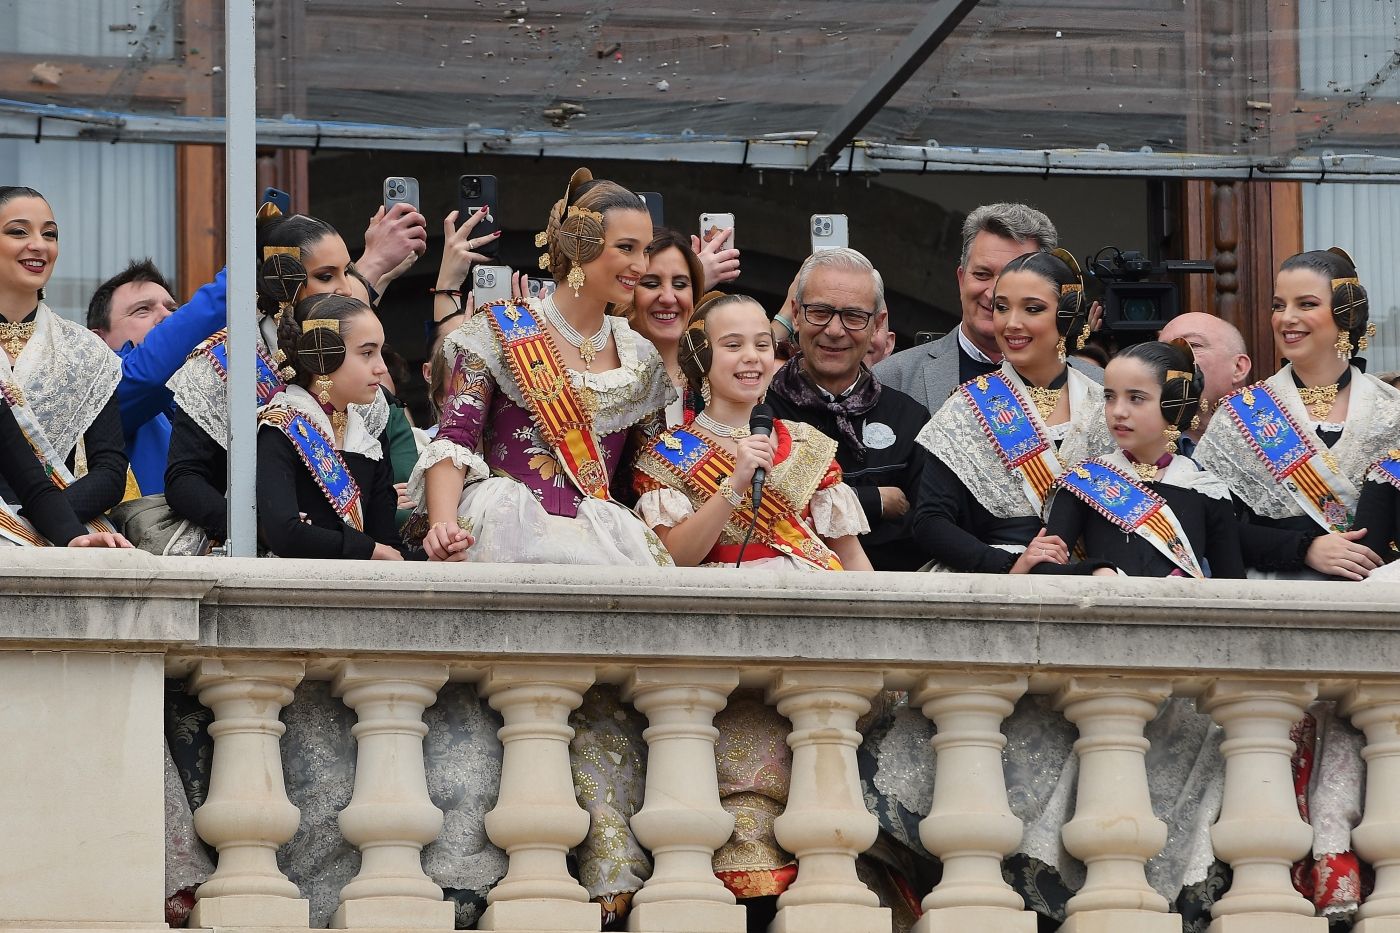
point(1372, 426)
point(1182, 472)
point(955, 436)
point(638, 388)
point(66, 374)
point(201, 393)
point(358, 440)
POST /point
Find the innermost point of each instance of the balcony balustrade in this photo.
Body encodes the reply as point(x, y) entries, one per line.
point(89, 639)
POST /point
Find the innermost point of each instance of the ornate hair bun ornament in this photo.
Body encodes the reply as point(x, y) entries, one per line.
point(281, 275)
point(1073, 289)
point(321, 351)
point(268, 210)
point(578, 236)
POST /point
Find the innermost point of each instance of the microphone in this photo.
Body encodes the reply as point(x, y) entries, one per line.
point(760, 422)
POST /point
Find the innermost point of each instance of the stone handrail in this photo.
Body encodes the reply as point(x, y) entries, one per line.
point(88, 639)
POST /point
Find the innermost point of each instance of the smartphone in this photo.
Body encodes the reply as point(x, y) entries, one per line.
point(656, 207)
point(400, 189)
point(473, 193)
point(710, 224)
point(539, 288)
point(925, 336)
point(828, 231)
point(490, 284)
point(281, 199)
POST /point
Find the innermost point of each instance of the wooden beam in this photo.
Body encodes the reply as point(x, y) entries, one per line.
point(199, 174)
point(88, 77)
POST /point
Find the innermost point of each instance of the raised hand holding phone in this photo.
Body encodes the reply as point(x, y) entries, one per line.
point(716, 253)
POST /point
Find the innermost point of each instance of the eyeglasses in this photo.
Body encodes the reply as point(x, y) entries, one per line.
point(853, 319)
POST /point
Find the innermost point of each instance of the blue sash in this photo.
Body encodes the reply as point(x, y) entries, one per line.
point(269, 383)
point(1387, 469)
point(319, 455)
point(1292, 459)
point(1132, 507)
point(1015, 435)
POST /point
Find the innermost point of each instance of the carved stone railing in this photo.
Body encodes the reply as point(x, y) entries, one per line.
point(88, 639)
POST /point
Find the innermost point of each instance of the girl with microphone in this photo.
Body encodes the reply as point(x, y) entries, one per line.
point(696, 481)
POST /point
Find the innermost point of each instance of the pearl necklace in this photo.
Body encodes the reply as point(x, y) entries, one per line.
point(587, 349)
point(718, 428)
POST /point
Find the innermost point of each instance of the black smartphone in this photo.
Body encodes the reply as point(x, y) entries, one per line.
point(656, 207)
point(281, 199)
point(473, 193)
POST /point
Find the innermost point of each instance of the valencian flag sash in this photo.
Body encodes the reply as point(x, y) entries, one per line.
point(318, 453)
point(1016, 436)
point(1292, 458)
point(1133, 507)
point(12, 526)
point(215, 349)
point(701, 466)
point(559, 413)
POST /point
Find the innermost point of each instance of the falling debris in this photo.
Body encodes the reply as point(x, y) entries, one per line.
point(560, 114)
point(607, 50)
point(663, 85)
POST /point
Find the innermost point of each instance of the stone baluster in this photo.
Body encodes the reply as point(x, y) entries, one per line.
point(1114, 831)
point(1375, 710)
point(1259, 831)
point(970, 826)
point(390, 817)
point(247, 815)
point(682, 822)
point(537, 819)
point(826, 824)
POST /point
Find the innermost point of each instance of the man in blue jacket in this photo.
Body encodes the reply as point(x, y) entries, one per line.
point(137, 317)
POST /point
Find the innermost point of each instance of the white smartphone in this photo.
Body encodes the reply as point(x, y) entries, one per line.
point(828, 232)
point(490, 284)
point(540, 288)
point(711, 224)
point(400, 189)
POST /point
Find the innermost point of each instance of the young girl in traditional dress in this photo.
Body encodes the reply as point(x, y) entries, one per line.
point(1149, 510)
point(59, 380)
point(325, 484)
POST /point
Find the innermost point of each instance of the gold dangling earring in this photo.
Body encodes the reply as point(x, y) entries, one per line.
point(576, 278)
point(1060, 349)
point(323, 389)
point(1344, 345)
point(705, 390)
point(1083, 336)
point(1195, 422)
point(1172, 435)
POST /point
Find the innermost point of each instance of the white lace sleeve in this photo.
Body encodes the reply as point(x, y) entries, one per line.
point(664, 508)
point(436, 452)
point(836, 512)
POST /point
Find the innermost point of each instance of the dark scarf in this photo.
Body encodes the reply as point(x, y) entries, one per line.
point(792, 384)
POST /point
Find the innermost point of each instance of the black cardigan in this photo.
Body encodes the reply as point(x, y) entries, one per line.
point(104, 484)
point(28, 485)
point(196, 477)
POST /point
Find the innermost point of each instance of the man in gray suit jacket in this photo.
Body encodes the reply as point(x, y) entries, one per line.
point(993, 235)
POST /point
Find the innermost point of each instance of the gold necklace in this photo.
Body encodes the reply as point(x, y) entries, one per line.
point(15, 336)
point(1319, 399)
point(1046, 400)
point(339, 421)
point(1147, 472)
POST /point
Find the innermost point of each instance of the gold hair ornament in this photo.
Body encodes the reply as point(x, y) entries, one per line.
point(329, 323)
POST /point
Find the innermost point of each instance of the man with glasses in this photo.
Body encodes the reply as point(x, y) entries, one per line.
point(837, 305)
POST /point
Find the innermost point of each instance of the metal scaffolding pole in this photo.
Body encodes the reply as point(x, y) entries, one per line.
point(240, 157)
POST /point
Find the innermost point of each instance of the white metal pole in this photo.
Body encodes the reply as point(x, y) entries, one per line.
point(240, 178)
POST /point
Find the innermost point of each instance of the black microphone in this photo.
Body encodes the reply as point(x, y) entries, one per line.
point(760, 422)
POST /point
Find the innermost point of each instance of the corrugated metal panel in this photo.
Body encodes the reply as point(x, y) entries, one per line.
point(112, 203)
point(1365, 221)
point(1343, 45)
point(113, 28)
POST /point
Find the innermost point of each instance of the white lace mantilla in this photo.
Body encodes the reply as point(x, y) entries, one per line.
point(626, 395)
point(67, 375)
point(956, 437)
point(358, 440)
point(1372, 426)
point(201, 393)
point(1182, 472)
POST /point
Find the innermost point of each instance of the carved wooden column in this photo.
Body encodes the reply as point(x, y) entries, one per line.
point(247, 814)
point(1259, 831)
point(1114, 831)
point(970, 826)
point(537, 819)
point(826, 824)
point(390, 816)
point(682, 822)
point(1375, 709)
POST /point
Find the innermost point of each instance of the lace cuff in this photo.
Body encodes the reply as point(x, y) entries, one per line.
point(836, 512)
point(436, 452)
point(664, 508)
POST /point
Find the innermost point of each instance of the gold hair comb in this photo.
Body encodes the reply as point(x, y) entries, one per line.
point(1174, 374)
point(293, 251)
point(329, 323)
point(269, 209)
point(1349, 280)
